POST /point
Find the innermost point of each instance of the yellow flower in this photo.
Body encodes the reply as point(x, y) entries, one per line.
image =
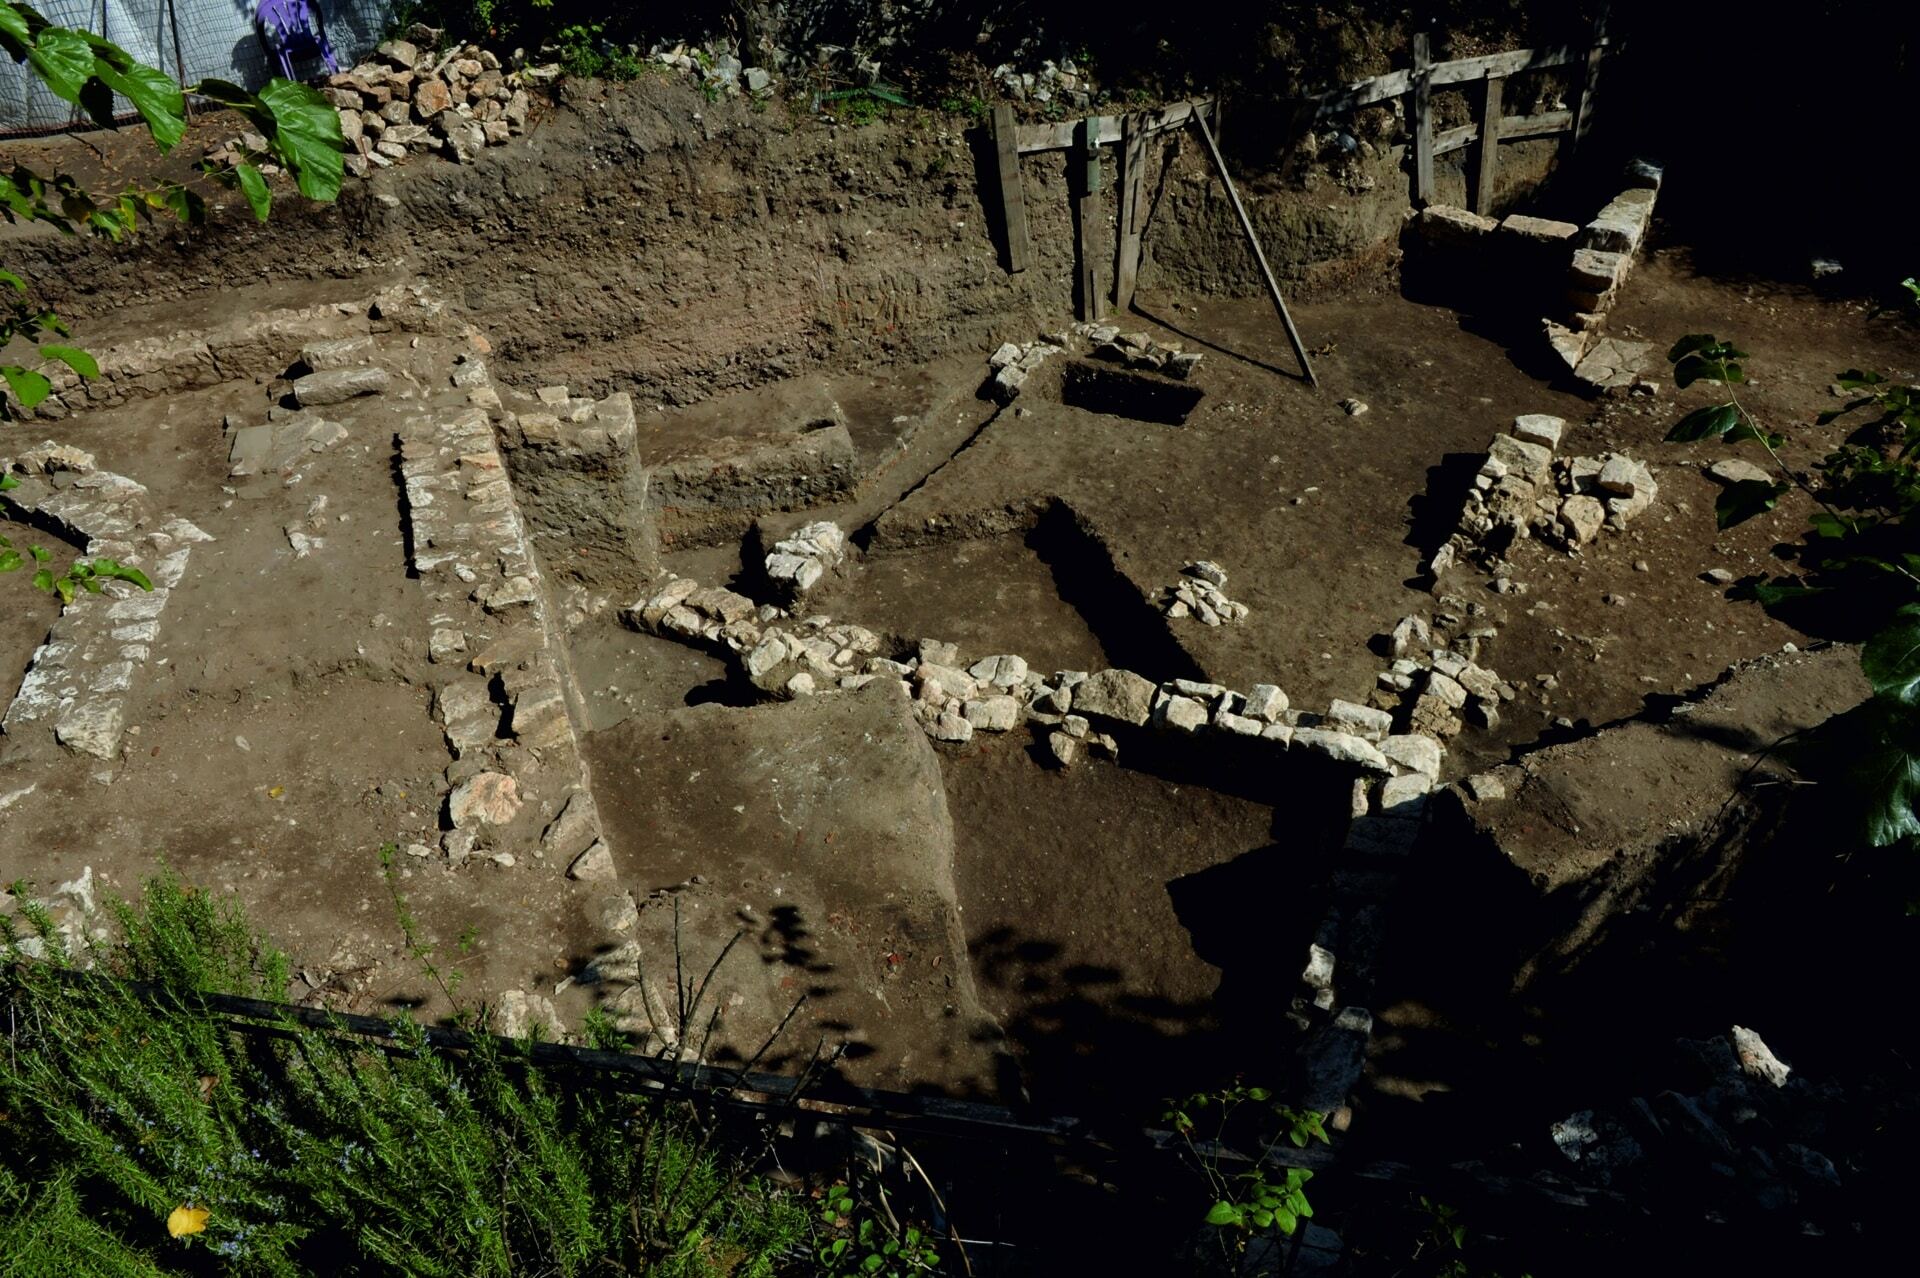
point(186, 1220)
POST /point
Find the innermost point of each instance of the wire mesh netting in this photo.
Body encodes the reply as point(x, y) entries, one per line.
point(189, 39)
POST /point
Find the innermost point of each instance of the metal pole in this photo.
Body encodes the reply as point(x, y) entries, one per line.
point(1253, 242)
point(179, 58)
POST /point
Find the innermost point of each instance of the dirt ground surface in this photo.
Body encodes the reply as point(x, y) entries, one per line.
point(963, 917)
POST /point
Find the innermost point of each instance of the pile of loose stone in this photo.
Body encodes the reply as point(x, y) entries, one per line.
point(1137, 350)
point(1521, 490)
point(796, 564)
point(1013, 362)
point(1064, 79)
point(1201, 593)
point(719, 69)
point(404, 100)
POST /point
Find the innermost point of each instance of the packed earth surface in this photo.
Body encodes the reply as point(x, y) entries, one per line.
point(635, 529)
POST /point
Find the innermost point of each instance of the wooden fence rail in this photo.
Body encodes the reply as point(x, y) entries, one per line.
point(1417, 82)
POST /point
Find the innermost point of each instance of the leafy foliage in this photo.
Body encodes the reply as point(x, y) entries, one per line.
point(865, 1245)
point(140, 1134)
point(1861, 551)
point(301, 129)
point(1247, 1202)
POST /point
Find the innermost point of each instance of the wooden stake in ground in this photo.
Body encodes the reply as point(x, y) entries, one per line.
point(1086, 178)
point(1253, 242)
point(1013, 200)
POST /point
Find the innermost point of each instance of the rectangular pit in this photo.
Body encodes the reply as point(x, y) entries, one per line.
point(1120, 393)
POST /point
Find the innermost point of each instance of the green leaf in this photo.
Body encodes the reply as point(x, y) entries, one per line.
point(1693, 368)
point(40, 553)
point(1891, 658)
point(9, 482)
point(1886, 770)
point(43, 580)
point(14, 33)
point(29, 387)
point(78, 360)
point(8, 277)
point(1689, 344)
point(1224, 1214)
point(1854, 379)
point(154, 94)
point(64, 62)
point(1770, 595)
point(306, 137)
point(1287, 1221)
point(254, 186)
point(1744, 500)
point(1828, 527)
point(10, 560)
point(1704, 423)
point(63, 586)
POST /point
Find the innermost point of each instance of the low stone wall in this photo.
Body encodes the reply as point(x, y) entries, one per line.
point(1462, 248)
point(74, 692)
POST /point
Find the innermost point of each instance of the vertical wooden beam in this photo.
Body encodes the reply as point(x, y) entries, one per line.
point(1131, 189)
point(1087, 181)
point(1013, 200)
point(1489, 146)
point(1253, 242)
point(1583, 108)
point(1421, 104)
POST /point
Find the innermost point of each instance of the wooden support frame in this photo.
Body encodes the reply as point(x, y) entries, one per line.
point(1417, 82)
point(1490, 130)
point(1013, 200)
point(1420, 105)
point(1253, 242)
point(1583, 108)
point(1088, 180)
point(1131, 189)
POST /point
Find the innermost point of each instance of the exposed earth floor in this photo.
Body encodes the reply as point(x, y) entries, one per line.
point(960, 916)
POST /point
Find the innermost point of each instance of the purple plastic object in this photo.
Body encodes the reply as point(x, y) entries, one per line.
point(291, 28)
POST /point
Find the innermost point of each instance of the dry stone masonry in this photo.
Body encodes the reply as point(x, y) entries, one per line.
point(517, 783)
point(74, 695)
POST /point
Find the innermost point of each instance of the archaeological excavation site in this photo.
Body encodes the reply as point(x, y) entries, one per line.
point(1047, 624)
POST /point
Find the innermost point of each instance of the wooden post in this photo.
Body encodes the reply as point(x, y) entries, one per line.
point(1583, 108)
point(1422, 123)
point(1013, 200)
point(1253, 242)
point(1489, 147)
point(1132, 183)
point(1089, 303)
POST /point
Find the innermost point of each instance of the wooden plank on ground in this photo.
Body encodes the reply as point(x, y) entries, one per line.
point(1130, 190)
point(1490, 124)
point(1013, 200)
point(1422, 121)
